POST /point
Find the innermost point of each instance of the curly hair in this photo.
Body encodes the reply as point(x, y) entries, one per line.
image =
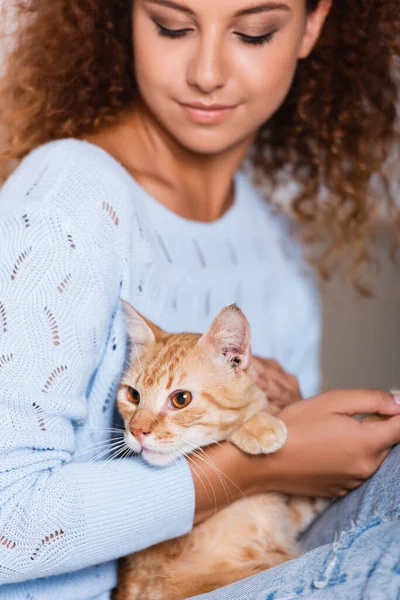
point(68, 72)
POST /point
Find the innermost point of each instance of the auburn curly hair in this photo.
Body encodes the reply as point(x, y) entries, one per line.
point(68, 71)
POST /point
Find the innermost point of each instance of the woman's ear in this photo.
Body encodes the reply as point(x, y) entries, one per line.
point(314, 25)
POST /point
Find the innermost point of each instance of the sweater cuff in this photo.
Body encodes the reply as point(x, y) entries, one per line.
point(130, 505)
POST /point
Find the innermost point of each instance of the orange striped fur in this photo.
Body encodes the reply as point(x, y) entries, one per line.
point(248, 536)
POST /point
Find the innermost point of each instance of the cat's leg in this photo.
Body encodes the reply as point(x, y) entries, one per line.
point(303, 511)
point(262, 434)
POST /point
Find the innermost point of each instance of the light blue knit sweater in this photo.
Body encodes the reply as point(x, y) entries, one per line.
point(76, 233)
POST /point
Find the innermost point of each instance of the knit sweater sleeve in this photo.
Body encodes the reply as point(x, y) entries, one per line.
point(57, 300)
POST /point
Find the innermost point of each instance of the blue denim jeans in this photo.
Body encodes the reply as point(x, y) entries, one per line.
point(352, 550)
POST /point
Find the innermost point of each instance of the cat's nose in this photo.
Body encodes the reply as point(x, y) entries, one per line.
point(139, 433)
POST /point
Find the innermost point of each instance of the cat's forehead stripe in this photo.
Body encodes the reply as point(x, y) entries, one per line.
point(167, 359)
point(182, 377)
point(170, 380)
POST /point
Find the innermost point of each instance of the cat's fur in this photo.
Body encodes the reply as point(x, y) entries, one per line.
point(247, 537)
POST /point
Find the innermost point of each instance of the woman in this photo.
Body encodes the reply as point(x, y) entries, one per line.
point(130, 187)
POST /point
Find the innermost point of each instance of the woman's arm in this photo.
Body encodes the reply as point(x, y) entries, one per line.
point(327, 452)
point(59, 289)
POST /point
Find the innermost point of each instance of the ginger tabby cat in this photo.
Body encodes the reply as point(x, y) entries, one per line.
point(182, 392)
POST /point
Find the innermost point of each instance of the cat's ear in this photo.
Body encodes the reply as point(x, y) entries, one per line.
point(141, 331)
point(229, 337)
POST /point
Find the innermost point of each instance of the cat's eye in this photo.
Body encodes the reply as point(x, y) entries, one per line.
point(181, 399)
point(133, 395)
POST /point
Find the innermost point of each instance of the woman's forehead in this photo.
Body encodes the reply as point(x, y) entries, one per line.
point(225, 8)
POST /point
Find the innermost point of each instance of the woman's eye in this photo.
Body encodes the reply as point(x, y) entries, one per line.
point(133, 395)
point(257, 40)
point(181, 399)
point(170, 33)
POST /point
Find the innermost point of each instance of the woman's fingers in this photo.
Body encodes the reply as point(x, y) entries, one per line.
point(270, 379)
point(269, 369)
point(351, 402)
point(281, 388)
point(262, 363)
point(275, 385)
point(384, 433)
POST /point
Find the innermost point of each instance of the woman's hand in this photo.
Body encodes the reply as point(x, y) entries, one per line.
point(327, 453)
point(281, 387)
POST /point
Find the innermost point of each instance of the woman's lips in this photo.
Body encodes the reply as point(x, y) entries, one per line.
point(207, 115)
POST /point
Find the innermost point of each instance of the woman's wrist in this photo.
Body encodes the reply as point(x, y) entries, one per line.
point(223, 475)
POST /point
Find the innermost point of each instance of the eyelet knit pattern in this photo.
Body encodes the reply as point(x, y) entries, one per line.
point(76, 234)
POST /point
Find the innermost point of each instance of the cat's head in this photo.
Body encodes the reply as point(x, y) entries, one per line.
point(184, 391)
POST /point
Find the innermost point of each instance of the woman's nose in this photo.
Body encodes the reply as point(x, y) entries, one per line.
point(207, 69)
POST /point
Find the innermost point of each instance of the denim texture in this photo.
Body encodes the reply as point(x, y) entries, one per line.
point(352, 551)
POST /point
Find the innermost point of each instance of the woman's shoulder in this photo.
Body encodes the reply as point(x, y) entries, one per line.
point(76, 184)
point(67, 174)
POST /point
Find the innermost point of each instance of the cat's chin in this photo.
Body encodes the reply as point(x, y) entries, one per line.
point(157, 459)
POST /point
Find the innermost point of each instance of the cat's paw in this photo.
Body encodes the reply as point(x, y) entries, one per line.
point(270, 440)
point(262, 434)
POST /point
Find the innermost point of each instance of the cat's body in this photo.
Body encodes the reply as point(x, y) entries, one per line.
point(247, 537)
point(185, 391)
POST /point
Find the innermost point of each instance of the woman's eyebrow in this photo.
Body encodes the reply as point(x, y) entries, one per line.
point(171, 4)
point(265, 7)
point(251, 10)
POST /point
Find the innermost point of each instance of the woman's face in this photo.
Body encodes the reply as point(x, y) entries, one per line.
point(236, 54)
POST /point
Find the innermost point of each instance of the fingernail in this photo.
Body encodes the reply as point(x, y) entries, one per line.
point(396, 396)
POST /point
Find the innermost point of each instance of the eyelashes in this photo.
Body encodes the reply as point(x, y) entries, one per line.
point(170, 33)
point(259, 40)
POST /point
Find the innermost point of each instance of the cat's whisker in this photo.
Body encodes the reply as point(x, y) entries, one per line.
point(107, 451)
point(217, 470)
point(113, 429)
point(113, 456)
point(197, 467)
point(206, 457)
point(116, 455)
point(174, 453)
point(218, 443)
point(88, 450)
point(218, 473)
point(129, 452)
point(137, 355)
point(131, 368)
point(186, 448)
point(108, 441)
point(98, 446)
point(97, 429)
point(126, 361)
point(126, 454)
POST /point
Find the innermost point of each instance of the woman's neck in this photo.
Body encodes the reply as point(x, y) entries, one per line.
point(195, 186)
